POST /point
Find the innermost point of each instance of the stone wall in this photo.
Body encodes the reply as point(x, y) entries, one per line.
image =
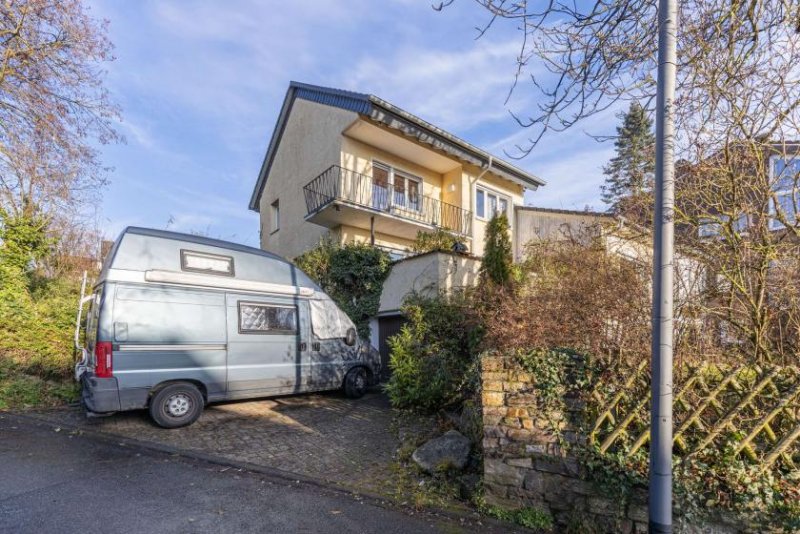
point(524, 464)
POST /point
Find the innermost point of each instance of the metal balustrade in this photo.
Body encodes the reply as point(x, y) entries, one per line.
point(344, 185)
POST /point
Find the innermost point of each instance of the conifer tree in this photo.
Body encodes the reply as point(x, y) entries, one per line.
point(497, 257)
point(627, 188)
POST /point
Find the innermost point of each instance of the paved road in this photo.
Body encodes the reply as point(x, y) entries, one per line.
point(57, 482)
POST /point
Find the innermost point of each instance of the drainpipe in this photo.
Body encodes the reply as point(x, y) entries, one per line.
point(486, 169)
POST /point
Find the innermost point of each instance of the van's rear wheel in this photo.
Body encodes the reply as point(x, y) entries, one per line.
point(355, 383)
point(176, 405)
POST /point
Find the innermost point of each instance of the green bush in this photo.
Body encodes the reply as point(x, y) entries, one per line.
point(497, 262)
point(353, 276)
point(37, 315)
point(434, 356)
point(439, 239)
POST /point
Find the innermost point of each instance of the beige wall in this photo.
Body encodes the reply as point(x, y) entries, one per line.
point(427, 274)
point(311, 143)
point(541, 225)
point(358, 156)
point(472, 178)
point(361, 235)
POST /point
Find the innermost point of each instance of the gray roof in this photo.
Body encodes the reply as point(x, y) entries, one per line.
point(201, 240)
point(381, 111)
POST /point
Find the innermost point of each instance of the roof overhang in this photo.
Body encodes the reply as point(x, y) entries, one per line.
point(390, 116)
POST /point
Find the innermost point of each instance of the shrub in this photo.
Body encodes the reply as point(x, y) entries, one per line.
point(440, 239)
point(573, 296)
point(353, 276)
point(37, 314)
point(433, 357)
point(497, 257)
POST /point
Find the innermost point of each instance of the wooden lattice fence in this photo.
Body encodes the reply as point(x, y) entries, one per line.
point(754, 411)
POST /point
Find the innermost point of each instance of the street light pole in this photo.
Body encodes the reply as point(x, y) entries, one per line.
point(660, 497)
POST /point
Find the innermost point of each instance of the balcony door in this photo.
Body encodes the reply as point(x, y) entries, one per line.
point(380, 186)
point(394, 188)
point(406, 192)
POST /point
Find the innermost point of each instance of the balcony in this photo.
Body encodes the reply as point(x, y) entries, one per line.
point(341, 196)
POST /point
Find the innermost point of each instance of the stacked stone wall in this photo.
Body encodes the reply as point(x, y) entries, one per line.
point(525, 464)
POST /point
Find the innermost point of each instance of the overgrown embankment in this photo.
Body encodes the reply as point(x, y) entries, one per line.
point(37, 318)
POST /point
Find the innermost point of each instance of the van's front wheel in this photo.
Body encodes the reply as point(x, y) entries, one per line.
point(176, 405)
point(355, 383)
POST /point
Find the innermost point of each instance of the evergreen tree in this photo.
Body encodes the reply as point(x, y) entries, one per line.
point(627, 188)
point(497, 257)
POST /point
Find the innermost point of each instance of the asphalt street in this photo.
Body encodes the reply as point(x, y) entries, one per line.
point(58, 481)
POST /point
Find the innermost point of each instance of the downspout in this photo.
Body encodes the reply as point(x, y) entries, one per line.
point(486, 169)
point(477, 178)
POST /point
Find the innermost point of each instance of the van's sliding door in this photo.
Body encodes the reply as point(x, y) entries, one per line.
point(263, 342)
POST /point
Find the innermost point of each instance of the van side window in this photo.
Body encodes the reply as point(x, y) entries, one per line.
point(267, 319)
point(203, 262)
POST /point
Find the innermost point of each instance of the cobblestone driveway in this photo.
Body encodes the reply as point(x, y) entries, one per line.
point(324, 436)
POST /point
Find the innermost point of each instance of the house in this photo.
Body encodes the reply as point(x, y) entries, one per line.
point(535, 224)
point(354, 167)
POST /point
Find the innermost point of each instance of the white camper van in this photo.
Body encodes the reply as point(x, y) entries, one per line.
point(177, 321)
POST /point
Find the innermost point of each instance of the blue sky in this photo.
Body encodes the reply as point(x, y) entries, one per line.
point(201, 82)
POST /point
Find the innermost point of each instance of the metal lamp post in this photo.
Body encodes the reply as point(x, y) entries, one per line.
point(660, 503)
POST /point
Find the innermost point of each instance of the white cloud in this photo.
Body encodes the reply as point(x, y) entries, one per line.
point(453, 89)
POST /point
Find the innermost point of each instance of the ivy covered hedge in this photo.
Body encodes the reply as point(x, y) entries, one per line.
point(352, 274)
point(736, 450)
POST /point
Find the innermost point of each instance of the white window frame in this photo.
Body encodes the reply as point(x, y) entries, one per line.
point(791, 192)
point(275, 215)
point(187, 255)
point(487, 192)
point(392, 170)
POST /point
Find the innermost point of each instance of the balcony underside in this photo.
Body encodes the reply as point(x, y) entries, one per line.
point(340, 212)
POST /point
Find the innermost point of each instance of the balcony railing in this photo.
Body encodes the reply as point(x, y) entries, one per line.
point(339, 184)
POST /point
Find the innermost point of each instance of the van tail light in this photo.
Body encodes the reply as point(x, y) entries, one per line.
point(104, 359)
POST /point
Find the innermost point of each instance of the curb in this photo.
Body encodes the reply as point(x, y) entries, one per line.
point(271, 472)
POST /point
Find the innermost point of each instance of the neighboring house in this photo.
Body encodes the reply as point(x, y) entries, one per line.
point(617, 236)
point(773, 193)
point(536, 225)
point(357, 168)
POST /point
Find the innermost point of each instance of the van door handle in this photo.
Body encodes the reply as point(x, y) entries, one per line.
point(303, 346)
point(315, 346)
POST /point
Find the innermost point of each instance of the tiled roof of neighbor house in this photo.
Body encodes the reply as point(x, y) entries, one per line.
point(393, 117)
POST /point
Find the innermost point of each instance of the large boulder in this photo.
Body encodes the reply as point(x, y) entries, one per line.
point(450, 450)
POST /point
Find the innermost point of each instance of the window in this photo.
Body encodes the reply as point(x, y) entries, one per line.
point(712, 227)
point(203, 262)
point(708, 228)
point(784, 176)
point(380, 186)
point(275, 209)
point(267, 318)
point(406, 189)
point(496, 204)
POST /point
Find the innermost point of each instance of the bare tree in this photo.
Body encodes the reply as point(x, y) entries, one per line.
point(736, 116)
point(53, 107)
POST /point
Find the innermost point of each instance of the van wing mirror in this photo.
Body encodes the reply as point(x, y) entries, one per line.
point(351, 337)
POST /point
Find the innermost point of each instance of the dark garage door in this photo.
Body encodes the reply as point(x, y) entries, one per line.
point(387, 327)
